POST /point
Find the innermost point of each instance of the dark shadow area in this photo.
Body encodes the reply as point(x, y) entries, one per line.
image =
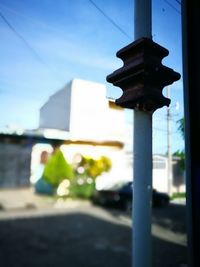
point(79, 240)
point(72, 240)
point(168, 254)
point(172, 217)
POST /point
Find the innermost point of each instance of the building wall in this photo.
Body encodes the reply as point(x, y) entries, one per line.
point(160, 182)
point(160, 175)
point(14, 165)
point(55, 113)
point(83, 109)
point(117, 128)
point(179, 178)
point(89, 109)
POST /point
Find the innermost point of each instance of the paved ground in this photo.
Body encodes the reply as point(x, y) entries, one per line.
point(16, 199)
point(78, 234)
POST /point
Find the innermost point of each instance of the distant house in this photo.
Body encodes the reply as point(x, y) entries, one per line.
point(160, 174)
point(82, 109)
point(95, 125)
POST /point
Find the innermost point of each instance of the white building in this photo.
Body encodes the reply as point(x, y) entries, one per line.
point(160, 175)
point(92, 123)
point(82, 109)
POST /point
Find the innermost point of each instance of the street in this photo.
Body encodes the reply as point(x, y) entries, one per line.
point(84, 235)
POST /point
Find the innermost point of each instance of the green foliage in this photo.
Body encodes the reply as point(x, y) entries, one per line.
point(178, 153)
point(181, 155)
point(90, 167)
point(82, 191)
point(87, 169)
point(178, 195)
point(82, 176)
point(57, 169)
point(181, 126)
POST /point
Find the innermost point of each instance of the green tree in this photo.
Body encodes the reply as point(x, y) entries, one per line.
point(181, 126)
point(178, 153)
point(57, 169)
point(181, 155)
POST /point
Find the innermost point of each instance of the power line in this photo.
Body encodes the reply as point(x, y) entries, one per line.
point(110, 20)
point(178, 2)
point(22, 38)
point(30, 48)
point(172, 6)
point(31, 19)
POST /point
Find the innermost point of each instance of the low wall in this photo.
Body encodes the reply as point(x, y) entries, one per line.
point(14, 165)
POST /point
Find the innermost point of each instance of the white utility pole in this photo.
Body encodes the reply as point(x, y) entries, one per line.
point(142, 78)
point(169, 169)
point(142, 165)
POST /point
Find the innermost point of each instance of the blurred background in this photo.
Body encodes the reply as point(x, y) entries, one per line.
point(66, 152)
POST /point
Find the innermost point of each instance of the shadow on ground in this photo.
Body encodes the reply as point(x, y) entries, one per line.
point(76, 240)
point(172, 217)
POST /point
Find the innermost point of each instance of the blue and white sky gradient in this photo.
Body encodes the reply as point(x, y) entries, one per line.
point(71, 39)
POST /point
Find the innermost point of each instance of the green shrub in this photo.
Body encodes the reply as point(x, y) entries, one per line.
point(178, 195)
point(92, 167)
point(57, 169)
point(82, 191)
point(87, 170)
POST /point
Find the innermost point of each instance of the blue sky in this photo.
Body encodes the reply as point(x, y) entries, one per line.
point(72, 39)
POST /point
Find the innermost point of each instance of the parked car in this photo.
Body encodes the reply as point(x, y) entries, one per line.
point(121, 196)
